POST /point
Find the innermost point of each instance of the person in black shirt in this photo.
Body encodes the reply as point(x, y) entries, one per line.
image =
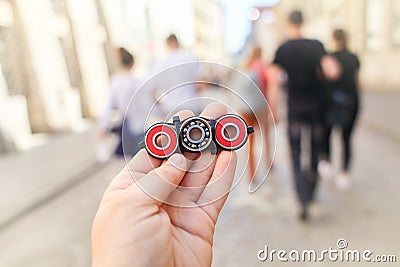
point(343, 103)
point(301, 58)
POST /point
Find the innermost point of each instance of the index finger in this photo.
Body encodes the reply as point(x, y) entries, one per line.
point(194, 181)
point(142, 163)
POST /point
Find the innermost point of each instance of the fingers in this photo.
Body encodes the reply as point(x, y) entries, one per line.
point(141, 164)
point(215, 194)
point(160, 182)
point(200, 170)
point(196, 179)
point(183, 115)
point(214, 110)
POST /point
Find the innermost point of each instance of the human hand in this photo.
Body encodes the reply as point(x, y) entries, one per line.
point(331, 68)
point(132, 228)
point(276, 118)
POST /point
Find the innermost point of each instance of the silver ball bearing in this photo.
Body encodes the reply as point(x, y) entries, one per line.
point(196, 134)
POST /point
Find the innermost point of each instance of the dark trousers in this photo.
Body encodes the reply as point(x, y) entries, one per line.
point(345, 121)
point(305, 178)
point(128, 144)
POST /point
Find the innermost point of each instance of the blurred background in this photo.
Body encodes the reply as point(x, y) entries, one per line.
point(56, 57)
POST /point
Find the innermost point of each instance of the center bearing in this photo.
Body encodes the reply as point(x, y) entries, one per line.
point(202, 140)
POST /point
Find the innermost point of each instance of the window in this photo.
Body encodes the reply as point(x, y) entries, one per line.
point(374, 24)
point(395, 34)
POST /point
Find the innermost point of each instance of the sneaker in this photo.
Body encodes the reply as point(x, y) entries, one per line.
point(343, 182)
point(103, 152)
point(304, 215)
point(325, 170)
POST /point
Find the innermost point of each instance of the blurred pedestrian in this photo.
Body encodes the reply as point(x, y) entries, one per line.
point(257, 70)
point(174, 83)
point(343, 107)
point(301, 58)
point(130, 118)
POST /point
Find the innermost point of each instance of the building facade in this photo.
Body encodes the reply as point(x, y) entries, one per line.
point(208, 24)
point(56, 55)
point(54, 66)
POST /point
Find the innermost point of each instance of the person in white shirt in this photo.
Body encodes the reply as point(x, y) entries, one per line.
point(175, 79)
point(131, 103)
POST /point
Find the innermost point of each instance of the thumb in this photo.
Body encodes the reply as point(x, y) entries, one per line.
point(160, 182)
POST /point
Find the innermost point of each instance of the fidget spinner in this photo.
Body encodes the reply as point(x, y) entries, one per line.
point(196, 134)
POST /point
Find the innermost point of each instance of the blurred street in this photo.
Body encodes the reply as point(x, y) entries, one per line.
point(48, 204)
point(79, 78)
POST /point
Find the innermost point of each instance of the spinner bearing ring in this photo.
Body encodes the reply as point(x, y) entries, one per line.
point(230, 132)
point(196, 134)
point(155, 140)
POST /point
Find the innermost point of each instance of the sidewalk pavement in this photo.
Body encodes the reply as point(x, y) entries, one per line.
point(380, 113)
point(57, 231)
point(35, 174)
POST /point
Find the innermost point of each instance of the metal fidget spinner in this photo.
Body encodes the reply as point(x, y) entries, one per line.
point(196, 134)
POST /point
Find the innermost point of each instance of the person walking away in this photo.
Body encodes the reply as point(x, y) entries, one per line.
point(131, 121)
point(174, 84)
point(301, 58)
point(343, 107)
point(257, 70)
